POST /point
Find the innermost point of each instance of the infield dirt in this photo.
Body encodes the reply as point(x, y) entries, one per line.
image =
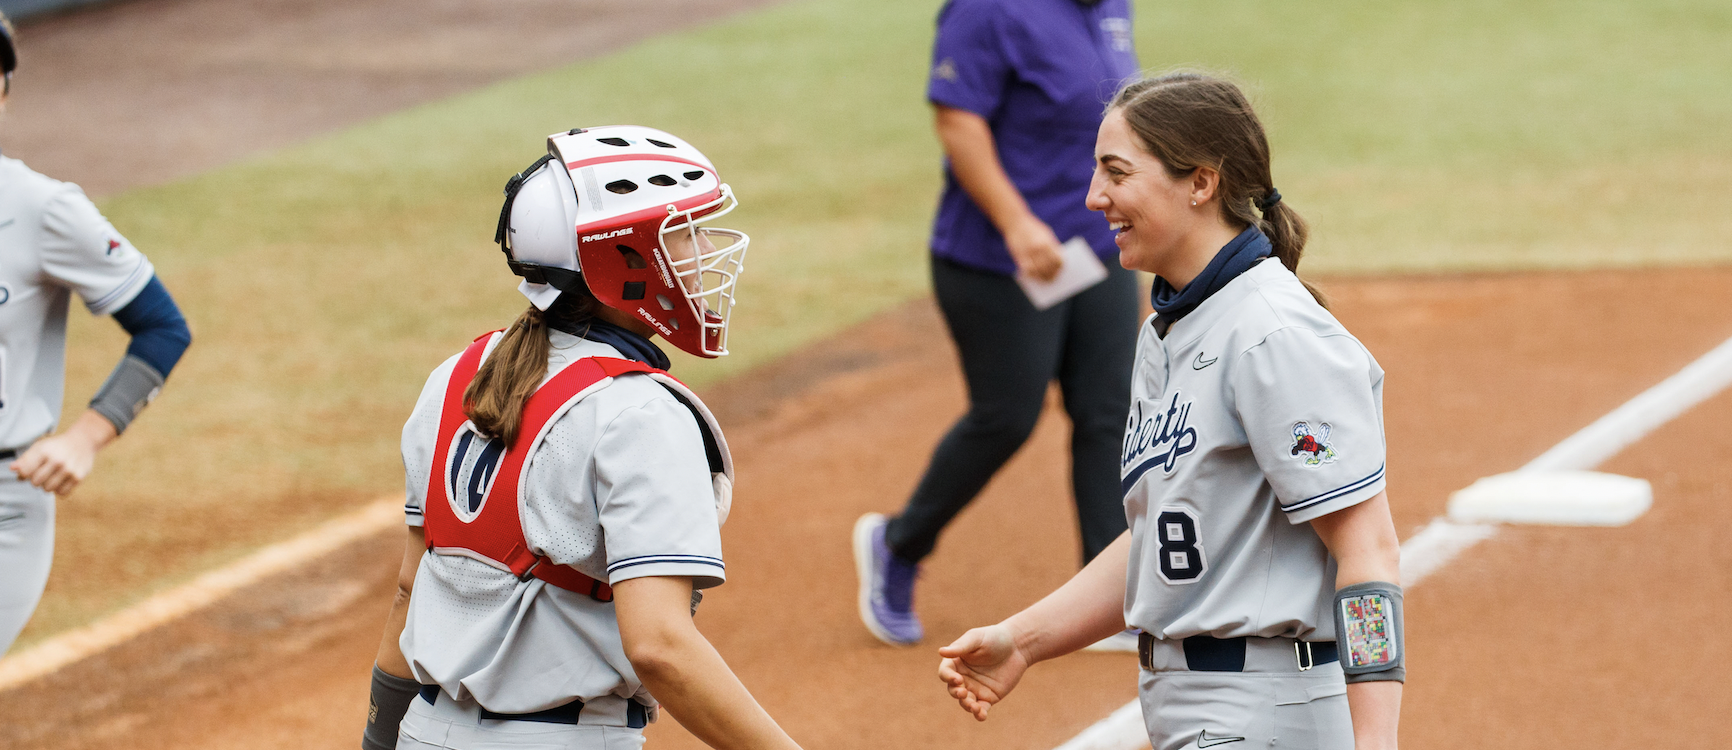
point(1541, 638)
point(168, 88)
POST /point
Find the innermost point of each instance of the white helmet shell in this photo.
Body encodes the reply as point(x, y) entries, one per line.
point(539, 230)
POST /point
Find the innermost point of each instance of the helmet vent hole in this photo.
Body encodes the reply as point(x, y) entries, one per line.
point(621, 186)
point(662, 144)
point(632, 260)
point(633, 290)
point(614, 141)
point(662, 180)
point(667, 304)
point(675, 324)
point(694, 175)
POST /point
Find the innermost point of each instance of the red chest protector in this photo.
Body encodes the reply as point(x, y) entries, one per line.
point(495, 533)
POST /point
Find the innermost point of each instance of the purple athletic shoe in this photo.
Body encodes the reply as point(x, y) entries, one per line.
point(886, 585)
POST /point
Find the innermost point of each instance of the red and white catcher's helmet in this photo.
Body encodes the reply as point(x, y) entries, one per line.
point(621, 209)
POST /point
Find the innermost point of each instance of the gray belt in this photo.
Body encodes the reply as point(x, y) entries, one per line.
point(1203, 653)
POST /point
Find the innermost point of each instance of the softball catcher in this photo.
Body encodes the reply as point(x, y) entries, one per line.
point(565, 494)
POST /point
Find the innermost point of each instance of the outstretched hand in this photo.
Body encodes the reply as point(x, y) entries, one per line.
point(981, 668)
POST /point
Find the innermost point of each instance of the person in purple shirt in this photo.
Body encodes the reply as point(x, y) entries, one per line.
point(1018, 87)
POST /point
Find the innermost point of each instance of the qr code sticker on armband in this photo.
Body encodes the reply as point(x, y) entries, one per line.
point(1370, 638)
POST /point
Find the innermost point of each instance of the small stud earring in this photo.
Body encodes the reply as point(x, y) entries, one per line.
point(1193, 203)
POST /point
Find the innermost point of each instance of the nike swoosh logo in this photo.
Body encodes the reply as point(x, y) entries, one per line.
point(1204, 740)
point(6, 223)
point(1201, 363)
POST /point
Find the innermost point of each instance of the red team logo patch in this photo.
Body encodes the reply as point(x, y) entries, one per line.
point(1315, 448)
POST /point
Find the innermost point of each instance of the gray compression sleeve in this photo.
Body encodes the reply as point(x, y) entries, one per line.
point(131, 386)
point(1369, 633)
point(385, 708)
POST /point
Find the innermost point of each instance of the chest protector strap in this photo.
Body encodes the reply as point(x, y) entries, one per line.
point(495, 534)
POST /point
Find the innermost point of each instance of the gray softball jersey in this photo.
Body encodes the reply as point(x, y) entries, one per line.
point(53, 243)
point(619, 488)
point(1256, 413)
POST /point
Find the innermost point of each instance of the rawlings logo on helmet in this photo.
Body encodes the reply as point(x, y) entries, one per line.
point(607, 235)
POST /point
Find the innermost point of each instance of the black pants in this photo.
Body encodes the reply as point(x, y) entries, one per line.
point(1010, 352)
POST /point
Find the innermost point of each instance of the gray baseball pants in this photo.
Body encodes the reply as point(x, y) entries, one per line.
point(457, 725)
point(1272, 704)
point(26, 551)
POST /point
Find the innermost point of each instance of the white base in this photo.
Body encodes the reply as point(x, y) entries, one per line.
point(1561, 498)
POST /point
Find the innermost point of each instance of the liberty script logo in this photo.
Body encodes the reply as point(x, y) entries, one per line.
point(1158, 439)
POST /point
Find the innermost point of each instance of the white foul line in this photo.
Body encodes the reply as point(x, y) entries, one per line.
point(66, 648)
point(1441, 540)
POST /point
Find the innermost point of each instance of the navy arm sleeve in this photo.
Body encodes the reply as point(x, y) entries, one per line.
point(159, 331)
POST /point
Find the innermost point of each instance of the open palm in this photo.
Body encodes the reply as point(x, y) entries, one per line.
point(981, 668)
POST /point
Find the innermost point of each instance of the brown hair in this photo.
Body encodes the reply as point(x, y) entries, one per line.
point(510, 375)
point(11, 43)
point(1189, 120)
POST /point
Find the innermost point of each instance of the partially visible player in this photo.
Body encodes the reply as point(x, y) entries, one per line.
point(53, 244)
point(565, 495)
point(1252, 467)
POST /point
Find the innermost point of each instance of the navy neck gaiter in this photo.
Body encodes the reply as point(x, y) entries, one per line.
point(628, 343)
point(1234, 258)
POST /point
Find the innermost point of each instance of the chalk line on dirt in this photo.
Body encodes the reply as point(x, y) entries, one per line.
point(46, 657)
point(1440, 541)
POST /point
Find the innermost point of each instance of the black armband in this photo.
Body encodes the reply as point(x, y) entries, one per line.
point(385, 708)
point(132, 386)
point(1369, 632)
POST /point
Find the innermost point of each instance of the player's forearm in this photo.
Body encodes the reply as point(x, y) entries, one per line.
point(1363, 541)
point(968, 141)
point(1376, 709)
point(92, 429)
point(1088, 607)
point(683, 671)
point(697, 688)
point(390, 655)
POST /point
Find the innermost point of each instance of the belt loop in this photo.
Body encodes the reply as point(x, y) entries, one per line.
point(1305, 661)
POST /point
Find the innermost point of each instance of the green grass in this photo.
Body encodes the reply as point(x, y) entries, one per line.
point(1479, 135)
point(325, 280)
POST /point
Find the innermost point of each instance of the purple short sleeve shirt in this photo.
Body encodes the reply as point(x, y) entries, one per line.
point(1039, 72)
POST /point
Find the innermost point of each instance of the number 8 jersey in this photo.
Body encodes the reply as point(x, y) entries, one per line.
point(1255, 414)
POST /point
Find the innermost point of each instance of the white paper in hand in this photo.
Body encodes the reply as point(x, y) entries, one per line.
point(1081, 270)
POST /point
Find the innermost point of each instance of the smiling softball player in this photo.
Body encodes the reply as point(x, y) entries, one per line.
point(1261, 563)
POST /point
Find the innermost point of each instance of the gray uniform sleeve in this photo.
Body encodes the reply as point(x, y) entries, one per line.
point(85, 253)
point(1312, 409)
point(419, 435)
point(654, 497)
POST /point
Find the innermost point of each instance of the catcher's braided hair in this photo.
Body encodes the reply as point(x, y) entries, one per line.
point(518, 364)
point(1189, 120)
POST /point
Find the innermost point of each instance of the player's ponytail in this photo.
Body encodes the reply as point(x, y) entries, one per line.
point(509, 376)
point(1189, 120)
point(518, 364)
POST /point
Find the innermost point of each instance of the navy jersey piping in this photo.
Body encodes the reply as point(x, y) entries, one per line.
point(1335, 493)
point(652, 559)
